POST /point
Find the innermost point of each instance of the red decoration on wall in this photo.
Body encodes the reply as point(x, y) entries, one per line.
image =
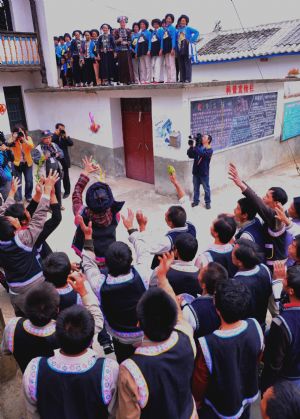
point(2, 109)
point(233, 89)
point(94, 127)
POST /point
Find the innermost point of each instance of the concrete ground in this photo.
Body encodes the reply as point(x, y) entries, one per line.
point(138, 195)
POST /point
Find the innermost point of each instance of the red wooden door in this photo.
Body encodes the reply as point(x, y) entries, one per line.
point(138, 143)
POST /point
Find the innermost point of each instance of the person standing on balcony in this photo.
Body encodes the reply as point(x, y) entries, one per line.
point(186, 35)
point(22, 145)
point(88, 52)
point(143, 52)
point(57, 57)
point(106, 51)
point(122, 37)
point(6, 156)
point(135, 61)
point(156, 50)
point(77, 58)
point(169, 45)
point(95, 35)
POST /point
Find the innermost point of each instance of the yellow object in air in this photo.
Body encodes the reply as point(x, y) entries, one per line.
point(171, 170)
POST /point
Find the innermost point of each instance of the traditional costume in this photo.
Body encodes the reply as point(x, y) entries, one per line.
point(123, 48)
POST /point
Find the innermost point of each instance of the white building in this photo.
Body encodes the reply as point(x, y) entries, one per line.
point(240, 95)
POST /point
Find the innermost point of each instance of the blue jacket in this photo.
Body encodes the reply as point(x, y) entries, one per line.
point(147, 35)
point(172, 33)
point(91, 48)
point(160, 35)
point(191, 34)
point(133, 37)
point(6, 157)
point(202, 157)
point(58, 51)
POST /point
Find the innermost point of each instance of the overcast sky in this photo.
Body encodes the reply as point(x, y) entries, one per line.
point(71, 14)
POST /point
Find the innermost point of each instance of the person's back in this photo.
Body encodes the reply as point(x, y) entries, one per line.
point(74, 383)
point(33, 335)
point(255, 275)
point(230, 357)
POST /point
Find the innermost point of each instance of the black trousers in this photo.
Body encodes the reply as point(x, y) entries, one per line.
point(58, 191)
point(66, 179)
point(185, 68)
point(88, 70)
point(77, 70)
point(122, 350)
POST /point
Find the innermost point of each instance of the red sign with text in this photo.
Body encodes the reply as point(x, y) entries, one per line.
point(238, 89)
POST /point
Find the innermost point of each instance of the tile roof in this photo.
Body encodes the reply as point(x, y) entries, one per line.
point(257, 41)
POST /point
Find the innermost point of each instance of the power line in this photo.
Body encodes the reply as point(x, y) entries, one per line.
point(266, 86)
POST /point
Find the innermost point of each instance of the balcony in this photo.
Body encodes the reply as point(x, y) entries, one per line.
point(19, 51)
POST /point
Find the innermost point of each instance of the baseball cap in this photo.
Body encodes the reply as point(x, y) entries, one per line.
point(45, 134)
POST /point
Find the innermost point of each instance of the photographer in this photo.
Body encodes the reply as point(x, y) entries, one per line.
point(21, 145)
point(6, 156)
point(200, 150)
point(47, 156)
point(63, 141)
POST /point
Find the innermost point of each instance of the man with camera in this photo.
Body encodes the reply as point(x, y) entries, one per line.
point(21, 146)
point(63, 141)
point(200, 150)
point(47, 156)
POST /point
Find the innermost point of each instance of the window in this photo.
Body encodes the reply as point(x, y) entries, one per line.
point(15, 107)
point(5, 16)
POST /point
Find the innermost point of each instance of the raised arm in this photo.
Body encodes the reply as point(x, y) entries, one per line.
point(15, 184)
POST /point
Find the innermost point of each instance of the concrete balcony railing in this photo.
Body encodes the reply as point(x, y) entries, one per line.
point(18, 51)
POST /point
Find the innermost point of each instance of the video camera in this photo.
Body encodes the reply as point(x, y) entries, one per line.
point(195, 140)
point(62, 132)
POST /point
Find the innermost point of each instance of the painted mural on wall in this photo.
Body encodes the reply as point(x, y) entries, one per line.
point(165, 134)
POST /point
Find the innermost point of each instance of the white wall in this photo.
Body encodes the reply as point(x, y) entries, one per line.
point(21, 15)
point(275, 67)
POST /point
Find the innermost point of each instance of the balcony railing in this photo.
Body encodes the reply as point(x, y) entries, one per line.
point(18, 49)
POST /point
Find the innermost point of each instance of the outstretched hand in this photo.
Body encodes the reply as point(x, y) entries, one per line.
point(235, 177)
point(128, 221)
point(279, 271)
point(86, 229)
point(281, 215)
point(15, 184)
point(165, 261)
point(89, 166)
point(76, 280)
point(51, 180)
point(142, 220)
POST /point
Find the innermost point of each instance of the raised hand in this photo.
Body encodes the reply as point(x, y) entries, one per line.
point(86, 229)
point(281, 215)
point(279, 271)
point(165, 261)
point(50, 181)
point(76, 280)
point(235, 177)
point(142, 220)
point(15, 184)
point(128, 221)
point(40, 186)
point(89, 166)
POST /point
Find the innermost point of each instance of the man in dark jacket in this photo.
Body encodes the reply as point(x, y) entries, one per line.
point(64, 142)
point(201, 151)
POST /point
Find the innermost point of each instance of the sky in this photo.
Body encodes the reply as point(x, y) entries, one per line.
point(203, 13)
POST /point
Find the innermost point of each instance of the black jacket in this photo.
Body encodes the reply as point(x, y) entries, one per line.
point(202, 157)
point(63, 144)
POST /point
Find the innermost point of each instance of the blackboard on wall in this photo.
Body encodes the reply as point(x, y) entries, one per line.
point(291, 120)
point(235, 120)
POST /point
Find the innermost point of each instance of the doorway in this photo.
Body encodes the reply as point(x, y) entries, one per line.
point(5, 16)
point(15, 107)
point(138, 142)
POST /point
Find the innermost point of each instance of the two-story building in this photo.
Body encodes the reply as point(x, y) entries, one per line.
point(239, 95)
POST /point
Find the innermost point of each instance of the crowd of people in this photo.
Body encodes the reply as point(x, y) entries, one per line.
point(189, 331)
point(136, 55)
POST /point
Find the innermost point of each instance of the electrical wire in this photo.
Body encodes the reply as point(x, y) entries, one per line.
point(266, 86)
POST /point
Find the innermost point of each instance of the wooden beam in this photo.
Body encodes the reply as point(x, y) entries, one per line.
point(37, 31)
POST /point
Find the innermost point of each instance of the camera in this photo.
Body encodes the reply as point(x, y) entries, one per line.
point(195, 140)
point(20, 137)
point(53, 154)
point(62, 132)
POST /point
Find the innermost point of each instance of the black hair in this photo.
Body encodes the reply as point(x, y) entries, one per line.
point(61, 37)
point(145, 22)
point(177, 215)
point(209, 138)
point(232, 299)
point(58, 124)
point(285, 402)
point(157, 314)
point(76, 30)
point(225, 227)
point(214, 274)
point(171, 16)
point(156, 21)
point(293, 279)
point(247, 207)
point(135, 24)
point(248, 252)
point(17, 211)
point(7, 230)
point(95, 30)
point(106, 24)
point(74, 329)
point(56, 268)
point(187, 246)
point(41, 304)
point(184, 17)
point(87, 31)
point(55, 38)
point(297, 240)
point(163, 21)
point(279, 194)
point(67, 34)
point(118, 259)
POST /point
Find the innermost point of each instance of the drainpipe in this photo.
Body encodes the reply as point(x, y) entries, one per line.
point(40, 49)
